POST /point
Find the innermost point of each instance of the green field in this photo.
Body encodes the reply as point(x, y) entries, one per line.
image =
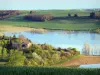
point(6, 70)
point(65, 24)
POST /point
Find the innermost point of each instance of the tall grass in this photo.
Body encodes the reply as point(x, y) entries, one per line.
point(6, 70)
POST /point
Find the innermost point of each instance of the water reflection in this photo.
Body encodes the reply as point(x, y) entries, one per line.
point(90, 66)
point(92, 36)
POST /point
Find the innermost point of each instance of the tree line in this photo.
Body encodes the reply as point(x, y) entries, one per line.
point(47, 17)
point(7, 13)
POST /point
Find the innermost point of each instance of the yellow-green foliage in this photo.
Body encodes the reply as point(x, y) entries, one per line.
point(1, 34)
point(16, 58)
point(36, 55)
point(97, 30)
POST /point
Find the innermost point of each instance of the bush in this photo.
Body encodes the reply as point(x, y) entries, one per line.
point(75, 15)
point(37, 17)
point(16, 59)
point(97, 30)
point(69, 15)
point(37, 58)
point(92, 15)
point(7, 13)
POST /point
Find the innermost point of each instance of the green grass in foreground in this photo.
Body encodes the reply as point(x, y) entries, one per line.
point(6, 70)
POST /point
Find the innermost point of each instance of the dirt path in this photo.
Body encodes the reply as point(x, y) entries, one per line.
point(82, 60)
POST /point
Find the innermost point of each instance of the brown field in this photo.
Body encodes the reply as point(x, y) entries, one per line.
point(14, 29)
point(20, 29)
point(82, 60)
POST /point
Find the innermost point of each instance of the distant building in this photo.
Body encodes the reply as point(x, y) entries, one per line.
point(26, 42)
point(13, 44)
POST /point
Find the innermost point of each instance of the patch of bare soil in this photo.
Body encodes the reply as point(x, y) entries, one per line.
point(82, 60)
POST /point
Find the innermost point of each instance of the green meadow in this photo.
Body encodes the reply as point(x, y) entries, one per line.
point(64, 24)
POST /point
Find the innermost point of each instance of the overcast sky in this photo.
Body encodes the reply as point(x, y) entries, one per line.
point(48, 4)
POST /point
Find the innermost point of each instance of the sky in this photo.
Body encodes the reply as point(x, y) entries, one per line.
point(48, 4)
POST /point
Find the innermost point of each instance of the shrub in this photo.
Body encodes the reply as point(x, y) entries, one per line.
point(92, 15)
point(75, 15)
point(69, 15)
point(8, 13)
point(16, 59)
point(37, 58)
point(37, 17)
point(97, 30)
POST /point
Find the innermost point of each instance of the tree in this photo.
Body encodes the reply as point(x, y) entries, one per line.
point(86, 49)
point(27, 62)
point(0, 51)
point(69, 15)
point(14, 36)
point(75, 15)
point(37, 58)
point(92, 15)
point(55, 57)
point(3, 50)
point(47, 47)
point(35, 46)
point(16, 59)
point(97, 15)
point(30, 12)
point(33, 63)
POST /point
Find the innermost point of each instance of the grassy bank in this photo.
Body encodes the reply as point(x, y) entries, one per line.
point(68, 59)
point(6, 70)
point(58, 25)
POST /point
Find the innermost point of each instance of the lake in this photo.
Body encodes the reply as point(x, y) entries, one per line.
point(90, 66)
point(65, 39)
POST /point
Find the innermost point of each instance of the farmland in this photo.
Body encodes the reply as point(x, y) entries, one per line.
point(63, 24)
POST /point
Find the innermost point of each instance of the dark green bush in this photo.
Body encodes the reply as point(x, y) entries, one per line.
point(6, 70)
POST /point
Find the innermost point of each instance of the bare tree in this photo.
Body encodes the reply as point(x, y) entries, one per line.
point(86, 49)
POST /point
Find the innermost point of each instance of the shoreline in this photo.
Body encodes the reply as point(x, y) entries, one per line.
point(15, 29)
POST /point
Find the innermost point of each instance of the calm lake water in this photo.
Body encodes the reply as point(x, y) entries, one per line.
point(90, 66)
point(64, 39)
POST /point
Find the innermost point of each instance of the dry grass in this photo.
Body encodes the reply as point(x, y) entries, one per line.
point(19, 29)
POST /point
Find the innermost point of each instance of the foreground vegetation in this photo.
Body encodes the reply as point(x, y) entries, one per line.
point(7, 70)
point(16, 52)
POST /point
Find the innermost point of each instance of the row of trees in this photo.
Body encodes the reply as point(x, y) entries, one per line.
point(37, 17)
point(8, 13)
point(92, 15)
point(75, 15)
point(90, 50)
